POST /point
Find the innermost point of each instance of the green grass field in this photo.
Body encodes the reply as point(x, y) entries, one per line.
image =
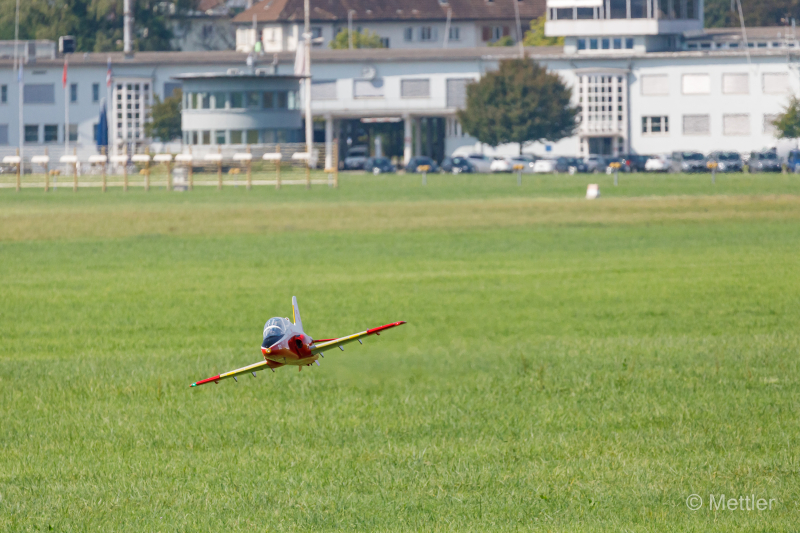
point(567, 366)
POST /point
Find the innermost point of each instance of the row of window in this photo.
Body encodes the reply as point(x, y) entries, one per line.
point(45, 93)
point(606, 43)
point(241, 100)
point(732, 124)
point(48, 133)
point(409, 88)
point(734, 45)
point(265, 136)
point(629, 9)
point(700, 84)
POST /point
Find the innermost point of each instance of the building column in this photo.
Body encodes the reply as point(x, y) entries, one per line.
point(407, 134)
point(328, 141)
point(418, 136)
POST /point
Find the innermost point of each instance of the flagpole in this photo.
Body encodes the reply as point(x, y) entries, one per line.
point(307, 83)
point(66, 108)
point(109, 108)
point(18, 65)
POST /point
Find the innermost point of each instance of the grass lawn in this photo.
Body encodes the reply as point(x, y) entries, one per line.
point(567, 365)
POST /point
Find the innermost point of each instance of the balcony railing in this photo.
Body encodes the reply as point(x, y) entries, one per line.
point(622, 9)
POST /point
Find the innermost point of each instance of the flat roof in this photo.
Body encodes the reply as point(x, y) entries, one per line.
point(225, 75)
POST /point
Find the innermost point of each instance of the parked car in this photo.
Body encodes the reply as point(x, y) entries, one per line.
point(379, 165)
point(596, 163)
point(609, 169)
point(726, 161)
point(501, 164)
point(481, 162)
point(576, 165)
point(356, 158)
point(527, 162)
point(633, 162)
point(545, 166)
point(688, 162)
point(764, 162)
point(793, 161)
point(415, 162)
point(658, 163)
point(457, 165)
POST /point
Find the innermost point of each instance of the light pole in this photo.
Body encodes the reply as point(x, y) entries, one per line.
point(519, 30)
point(307, 82)
point(18, 65)
point(350, 28)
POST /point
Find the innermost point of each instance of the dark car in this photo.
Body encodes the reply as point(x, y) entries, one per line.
point(576, 165)
point(793, 161)
point(726, 161)
point(688, 162)
point(764, 162)
point(379, 165)
point(415, 162)
point(633, 162)
point(355, 158)
point(457, 164)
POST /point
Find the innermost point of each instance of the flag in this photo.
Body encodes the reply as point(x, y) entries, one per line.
point(108, 74)
point(300, 59)
point(64, 76)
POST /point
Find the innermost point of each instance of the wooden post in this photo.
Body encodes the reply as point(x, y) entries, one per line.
point(125, 169)
point(46, 174)
point(278, 168)
point(219, 169)
point(75, 171)
point(169, 175)
point(147, 170)
point(249, 170)
point(19, 179)
point(105, 165)
point(191, 171)
point(308, 171)
point(336, 163)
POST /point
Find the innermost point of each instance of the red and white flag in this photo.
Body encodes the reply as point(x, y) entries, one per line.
point(64, 77)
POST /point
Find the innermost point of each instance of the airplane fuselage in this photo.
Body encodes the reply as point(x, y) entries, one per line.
point(293, 348)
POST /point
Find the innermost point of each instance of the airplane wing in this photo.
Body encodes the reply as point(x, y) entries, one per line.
point(321, 346)
point(252, 368)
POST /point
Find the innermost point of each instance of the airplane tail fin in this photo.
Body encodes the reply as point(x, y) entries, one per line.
point(296, 313)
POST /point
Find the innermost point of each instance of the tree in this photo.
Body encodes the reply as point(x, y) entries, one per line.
point(788, 122)
point(503, 41)
point(536, 36)
point(166, 123)
point(520, 102)
point(361, 39)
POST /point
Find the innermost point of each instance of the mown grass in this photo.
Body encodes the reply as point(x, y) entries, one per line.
point(567, 365)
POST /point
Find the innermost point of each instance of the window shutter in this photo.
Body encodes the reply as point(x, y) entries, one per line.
point(415, 88)
point(735, 84)
point(776, 83)
point(696, 84)
point(655, 85)
point(696, 125)
point(44, 93)
point(457, 92)
point(736, 124)
point(487, 33)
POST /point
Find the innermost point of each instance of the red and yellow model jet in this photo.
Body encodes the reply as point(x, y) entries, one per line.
point(285, 343)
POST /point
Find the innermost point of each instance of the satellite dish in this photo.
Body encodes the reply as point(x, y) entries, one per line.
point(369, 72)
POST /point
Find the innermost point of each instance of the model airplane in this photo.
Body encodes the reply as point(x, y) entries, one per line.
point(285, 343)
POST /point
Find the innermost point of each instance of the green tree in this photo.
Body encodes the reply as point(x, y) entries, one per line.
point(788, 122)
point(520, 102)
point(166, 122)
point(536, 37)
point(361, 39)
point(503, 41)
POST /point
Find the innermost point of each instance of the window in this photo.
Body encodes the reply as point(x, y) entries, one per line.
point(194, 138)
point(454, 34)
point(368, 88)
point(735, 84)
point(426, 33)
point(269, 98)
point(696, 125)
point(206, 137)
point(617, 43)
point(457, 92)
point(775, 83)
point(321, 90)
point(629, 43)
point(655, 85)
point(408, 34)
point(39, 93)
point(282, 100)
point(219, 137)
point(205, 100)
point(769, 124)
point(73, 132)
point(252, 99)
point(31, 133)
point(3, 134)
point(3, 94)
point(73, 92)
point(95, 92)
point(592, 44)
point(219, 100)
point(581, 44)
point(294, 100)
point(385, 42)
point(415, 88)
point(605, 44)
point(655, 125)
point(236, 136)
point(236, 101)
point(696, 84)
point(738, 124)
point(252, 136)
point(51, 133)
point(316, 32)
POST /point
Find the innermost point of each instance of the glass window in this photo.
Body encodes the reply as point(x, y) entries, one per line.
point(593, 44)
point(194, 137)
point(426, 33)
point(31, 133)
point(617, 43)
point(73, 92)
point(294, 101)
point(95, 92)
point(219, 100)
point(606, 44)
point(236, 136)
point(51, 133)
point(455, 34)
point(73, 132)
point(629, 43)
point(252, 136)
point(408, 34)
point(206, 137)
point(219, 137)
point(252, 99)
point(205, 100)
point(581, 44)
point(269, 100)
point(4, 94)
point(236, 101)
point(283, 100)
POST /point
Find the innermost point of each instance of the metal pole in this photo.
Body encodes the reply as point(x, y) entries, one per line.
point(336, 163)
point(307, 82)
point(249, 170)
point(125, 169)
point(66, 111)
point(46, 174)
point(447, 27)
point(75, 171)
point(103, 151)
point(519, 31)
point(278, 168)
point(147, 170)
point(219, 169)
point(20, 85)
point(349, 29)
point(191, 170)
point(19, 163)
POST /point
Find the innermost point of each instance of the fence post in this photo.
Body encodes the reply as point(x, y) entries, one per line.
point(19, 182)
point(308, 171)
point(336, 163)
point(105, 165)
point(46, 174)
point(278, 168)
point(169, 175)
point(191, 170)
point(125, 169)
point(147, 170)
point(219, 169)
point(249, 168)
point(75, 171)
